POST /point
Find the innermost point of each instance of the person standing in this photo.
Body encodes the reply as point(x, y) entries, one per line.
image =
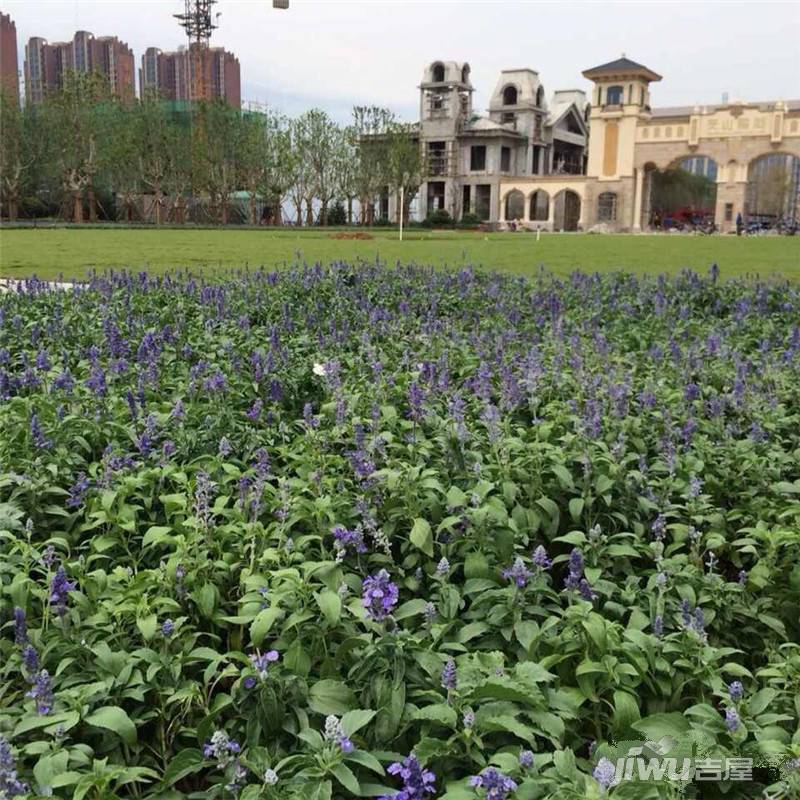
point(739, 224)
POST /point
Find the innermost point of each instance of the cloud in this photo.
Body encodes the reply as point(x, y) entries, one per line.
point(337, 54)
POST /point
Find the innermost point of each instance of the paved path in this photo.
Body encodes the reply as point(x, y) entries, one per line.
point(12, 284)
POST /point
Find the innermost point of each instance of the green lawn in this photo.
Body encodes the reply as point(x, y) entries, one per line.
point(49, 252)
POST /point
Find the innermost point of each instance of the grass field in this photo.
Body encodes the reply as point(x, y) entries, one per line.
point(51, 252)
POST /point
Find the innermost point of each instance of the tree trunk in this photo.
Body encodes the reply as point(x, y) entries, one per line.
point(13, 207)
point(92, 204)
point(299, 209)
point(277, 214)
point(77, 207)
point(253, 209)
point(180, 210)
point(323, 213)
point(157, 209)
point(309, 213)
point(349, 210)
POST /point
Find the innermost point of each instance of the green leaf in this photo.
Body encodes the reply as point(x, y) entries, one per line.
point(147, 626)
point(410, 608)
point(626, 712)
point(760, 700)
point(262, 624)
point(657, 726)
point(366, 760)
point(330, 604)
point(321, 790)
point(49, 767)
point(114, 719)
point(421, 536)
point(595, 626)
point(330, 697)
point(355, 720)
point(476, 566)
point(157, 534)
point(526, 632)
point(205, 597)
point(345, 776)
point(563, 475)
point(576, 508)
point(438, 712)
point(187, 762)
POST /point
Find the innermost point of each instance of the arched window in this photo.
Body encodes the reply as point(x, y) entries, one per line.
point(614, 96)
point(515, 205)
point(437, 73)
point(510, 96)
point(540, 96)
point(607, 207)
point(465, 73)
point(540, 203)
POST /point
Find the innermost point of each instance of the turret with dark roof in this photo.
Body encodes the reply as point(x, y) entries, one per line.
point(621, 67)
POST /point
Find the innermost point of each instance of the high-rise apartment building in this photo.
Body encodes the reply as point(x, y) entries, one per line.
point(47, 64)
point(9, 67)
point(169, 74)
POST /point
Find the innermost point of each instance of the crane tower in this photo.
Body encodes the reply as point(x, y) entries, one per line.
point(198, 20)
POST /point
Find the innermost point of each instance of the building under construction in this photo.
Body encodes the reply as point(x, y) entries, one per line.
point(170, 74)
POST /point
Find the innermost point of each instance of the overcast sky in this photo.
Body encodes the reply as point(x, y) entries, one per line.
point(334, 54)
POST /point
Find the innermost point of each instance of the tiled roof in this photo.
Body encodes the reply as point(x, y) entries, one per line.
point(622, 65)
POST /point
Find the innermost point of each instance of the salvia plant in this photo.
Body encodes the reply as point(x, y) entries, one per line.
point(397, 532)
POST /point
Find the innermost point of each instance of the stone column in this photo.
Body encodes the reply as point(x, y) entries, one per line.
point(582, 216)
point(636, 224)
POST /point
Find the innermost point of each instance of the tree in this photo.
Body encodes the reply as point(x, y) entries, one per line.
point(280, 163)
point(371, 126)
point(252, 158)
point(158, 135)
point(121, 134)
point(214, 147)
point(71, 116)
point(403, 164)
point(302, 180)
point(320, 141)
point(16, 154)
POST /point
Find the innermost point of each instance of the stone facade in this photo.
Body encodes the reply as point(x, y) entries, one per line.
point(466, 156)
point(629, 141)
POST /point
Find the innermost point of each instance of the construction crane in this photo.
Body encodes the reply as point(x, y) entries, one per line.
point(199, 21)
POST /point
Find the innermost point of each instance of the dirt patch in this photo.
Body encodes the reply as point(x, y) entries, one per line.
point(351, 235)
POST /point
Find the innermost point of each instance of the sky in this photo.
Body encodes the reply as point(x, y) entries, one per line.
point(334, 54)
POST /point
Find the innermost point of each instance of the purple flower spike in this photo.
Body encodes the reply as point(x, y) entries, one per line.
point(42, 693)
point(379, 596)
point(541, 559)
point(60, 588)
point(518, 573)
point(449, 676)
point(605, 773)
point(496, 785)
point(417, 781)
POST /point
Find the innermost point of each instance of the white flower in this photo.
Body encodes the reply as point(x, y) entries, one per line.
point(270, 777)
point(319, 369)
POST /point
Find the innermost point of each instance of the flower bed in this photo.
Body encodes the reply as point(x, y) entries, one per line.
point(355, 531)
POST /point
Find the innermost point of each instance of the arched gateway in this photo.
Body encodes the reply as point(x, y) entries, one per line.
point(689, 167)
